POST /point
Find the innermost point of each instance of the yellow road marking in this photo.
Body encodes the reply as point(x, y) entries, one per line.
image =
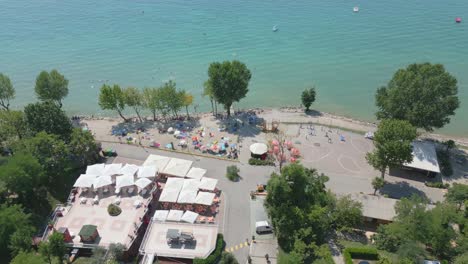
point(232, 249)
point(246, 244)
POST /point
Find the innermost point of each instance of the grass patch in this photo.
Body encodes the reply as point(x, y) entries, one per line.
point(259, 162)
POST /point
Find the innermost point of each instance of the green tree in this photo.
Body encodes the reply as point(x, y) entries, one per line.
point(298, 205)
point(308, 97)
point(12, 125)
point(21, 240)
point(412, 250)
point(208, 91)
point(229, 81)
point(457, 194)
point(116, 251)
point(187, 100)
point(392, 142)
point(45, 251)
point(171, 99)
point(52, 154)
point(12, 218)
point(461, 259)
point(51, 86)
point(384, 260)
point(424, 94)
point(112, 98)
point(378, 183)
point(152, 101)
point(228, 258)
point(83, 148)
point(27, 258)
point(134, 99)
point(232, 172)
point(57, 246)
point(49, 118)
point(7, 92)
point(346, 213)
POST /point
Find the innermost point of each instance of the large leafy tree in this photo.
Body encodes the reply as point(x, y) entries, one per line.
point(21, 240)
point(171, 98)
point(229, 81)
point(424, 94)
point(457, 194)
point(48, 117)
point(83, 148)
point(346, 213)
point(134, 99)
point(308, 97)
point(57, 246)
point(392, 142)
point(12, 218)
point(228, 258)
point(208, 91)
point(187, 100)
point(7, 92)
point(112, 98)
point(152, 100)
point(297, 204)
point(12, 125)
point(27, 258)
point(51, 86)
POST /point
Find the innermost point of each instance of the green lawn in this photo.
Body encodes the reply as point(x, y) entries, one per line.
point(346, 243)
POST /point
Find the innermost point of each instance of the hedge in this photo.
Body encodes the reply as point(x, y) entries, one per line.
point(360, 253)
point(259, 162)
point(215, 256)
point(437, 185)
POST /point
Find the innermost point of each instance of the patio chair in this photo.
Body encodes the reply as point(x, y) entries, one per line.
point(96, 199)
point(211, 220)
point(117, 191)
point(143, 192)
point(117, 200)
point(83, 200)
point(130, 190)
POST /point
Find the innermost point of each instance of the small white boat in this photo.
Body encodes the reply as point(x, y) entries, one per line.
point(275, 28)
point(356, 9)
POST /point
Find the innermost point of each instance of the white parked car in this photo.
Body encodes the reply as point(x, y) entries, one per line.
point(263, 227)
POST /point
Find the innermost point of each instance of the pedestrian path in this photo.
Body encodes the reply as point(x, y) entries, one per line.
point(237, 247)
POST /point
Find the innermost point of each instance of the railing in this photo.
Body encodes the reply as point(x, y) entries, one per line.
point(53, 219)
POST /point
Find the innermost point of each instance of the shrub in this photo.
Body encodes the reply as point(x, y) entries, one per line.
point(360, 253)
point(232, 173)
point(215, 256)
point(259, 162)
point(114, 210)
point(437, 185)
point(444, 162)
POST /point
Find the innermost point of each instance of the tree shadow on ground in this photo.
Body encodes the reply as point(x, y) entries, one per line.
point(183, 125)
point(313, 113)
point(239, 125)
point(398, 190)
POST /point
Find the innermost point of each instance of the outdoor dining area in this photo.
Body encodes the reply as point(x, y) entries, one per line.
point(105, 180)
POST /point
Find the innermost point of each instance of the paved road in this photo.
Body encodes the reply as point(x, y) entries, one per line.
point(236, 194)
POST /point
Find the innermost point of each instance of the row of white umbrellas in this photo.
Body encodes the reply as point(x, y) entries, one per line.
point(90, 180)
point(118, 169)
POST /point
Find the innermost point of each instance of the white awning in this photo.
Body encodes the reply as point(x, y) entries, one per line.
point(177, 167)
point(196, 173)
point(112, 169)
point(174, 215)
point(147, 172)
point(174, 183)
point(190, 185)
point(205, 198)
point(160, 215)
point(187, 197)
point(124, 181)
point(171, 190)
point(85, 181)
point(258, 148)
point(129, 169)
point(424, 157)
point(143, 182)
point(189, 217)
point(96, 169)
point(208, 184)
point(155, 160)
point(102, 181)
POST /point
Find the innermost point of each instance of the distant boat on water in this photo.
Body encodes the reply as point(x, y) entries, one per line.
point(356, 9)
point(275, 28)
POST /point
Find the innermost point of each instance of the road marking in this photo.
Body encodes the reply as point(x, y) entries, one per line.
point(236, 247)
point(232, 249)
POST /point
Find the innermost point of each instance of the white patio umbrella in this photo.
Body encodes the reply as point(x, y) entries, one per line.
point(85, 181)
point(102, 181)
point(189, 217)
point(174, 215)
point(96, 169)
point(191, 184)
point(160, 215)
point(112, 169)
point(124, 181)
point(195, 173)
point(129, 169)
point(205, 198)
point(169, 195)
point(170, 130)
point(147, 172)
point(187, 197)
point(142, 183)
point(258, 148)
point(208, 184)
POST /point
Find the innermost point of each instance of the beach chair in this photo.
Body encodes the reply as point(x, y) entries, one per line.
point(130, 190)
point(83, 200)
point(117, 191)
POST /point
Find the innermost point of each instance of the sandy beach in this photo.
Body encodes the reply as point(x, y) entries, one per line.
point(102, 126)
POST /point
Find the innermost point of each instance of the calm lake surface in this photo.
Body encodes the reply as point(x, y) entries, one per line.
point(319, 42)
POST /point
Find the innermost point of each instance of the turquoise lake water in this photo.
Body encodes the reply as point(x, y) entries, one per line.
point(320, 42)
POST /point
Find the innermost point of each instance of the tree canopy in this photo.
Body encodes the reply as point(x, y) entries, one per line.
point(7, 92)
point(308, 97)
point(12, 218)
point(134, 99)
point(424, 94)
point(12, 125)
point(171, 98)
point(392, 142)
point(229, 81)
point(458, 194)
point(152, 101)
point(51, 86)
point(47, 117)
point(112, 98)
point(187, 100)
point(27, 258)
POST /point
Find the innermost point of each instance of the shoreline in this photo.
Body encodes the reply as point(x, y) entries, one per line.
point(294, 114)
